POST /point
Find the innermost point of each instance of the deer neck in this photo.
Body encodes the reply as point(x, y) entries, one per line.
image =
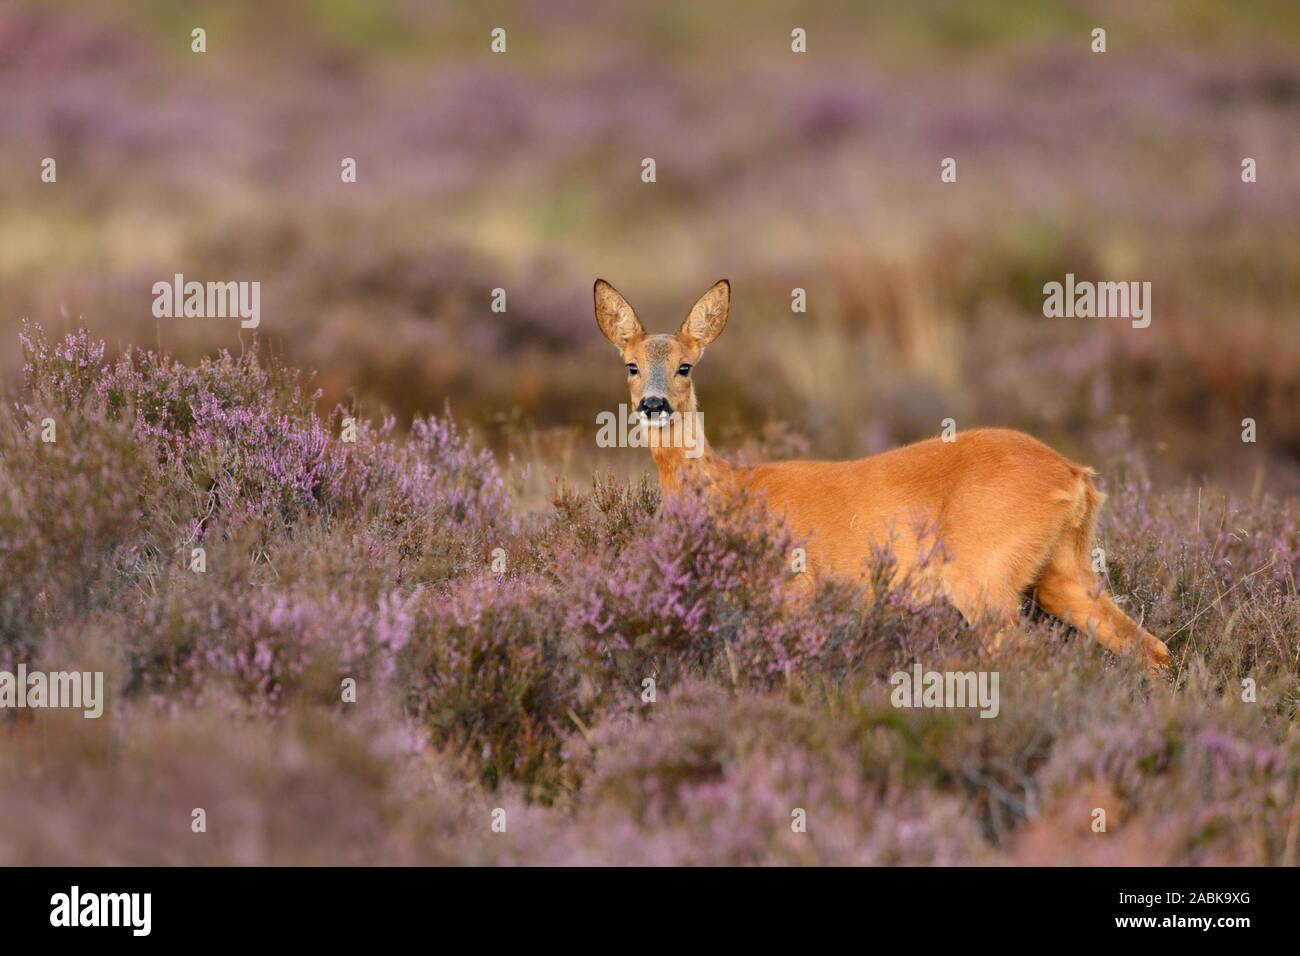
point(683, 455)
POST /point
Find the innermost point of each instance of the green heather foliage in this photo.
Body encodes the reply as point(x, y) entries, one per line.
point(522, 688)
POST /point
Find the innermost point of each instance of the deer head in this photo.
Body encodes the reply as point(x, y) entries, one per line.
point(659, 370)
point(659, 366)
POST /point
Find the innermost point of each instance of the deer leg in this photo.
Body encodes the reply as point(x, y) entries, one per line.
point(991, 611)
point(1071, 593)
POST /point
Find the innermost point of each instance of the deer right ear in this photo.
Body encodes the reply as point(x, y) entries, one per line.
point(615, 317)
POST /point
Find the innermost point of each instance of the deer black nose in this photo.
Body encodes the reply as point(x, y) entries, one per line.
point(654, 405)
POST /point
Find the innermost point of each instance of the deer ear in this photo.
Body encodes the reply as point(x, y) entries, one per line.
point(708, 315)
point(614, 316)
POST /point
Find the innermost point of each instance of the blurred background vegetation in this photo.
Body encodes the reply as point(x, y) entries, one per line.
point(776, 170)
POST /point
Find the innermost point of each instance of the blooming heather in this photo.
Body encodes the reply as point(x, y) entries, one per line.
point(500, 658)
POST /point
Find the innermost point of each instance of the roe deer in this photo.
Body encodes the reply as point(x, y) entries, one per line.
point(1011, 514)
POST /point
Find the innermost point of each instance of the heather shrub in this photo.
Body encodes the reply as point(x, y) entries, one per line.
point(522, 688)
point(312, 788)
point(74, 515)
point(701, 590)
point(312, 547)
point(231, 442)
point(874, 626)
point(223, 428)
point(1047, 687)
point(241, 443)
point(491, 671)
point(1218, 573)
point(1192, 778)
point(234, 628)
point(609, 517)
point(717, 779)
point(441, 504)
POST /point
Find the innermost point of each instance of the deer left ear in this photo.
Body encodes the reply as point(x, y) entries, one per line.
point(708, 315)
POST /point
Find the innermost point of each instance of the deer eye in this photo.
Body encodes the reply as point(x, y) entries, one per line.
point(631, 368)
point(683, 369)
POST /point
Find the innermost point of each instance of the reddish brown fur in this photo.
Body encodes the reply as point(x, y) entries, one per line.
point(1011, 514)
